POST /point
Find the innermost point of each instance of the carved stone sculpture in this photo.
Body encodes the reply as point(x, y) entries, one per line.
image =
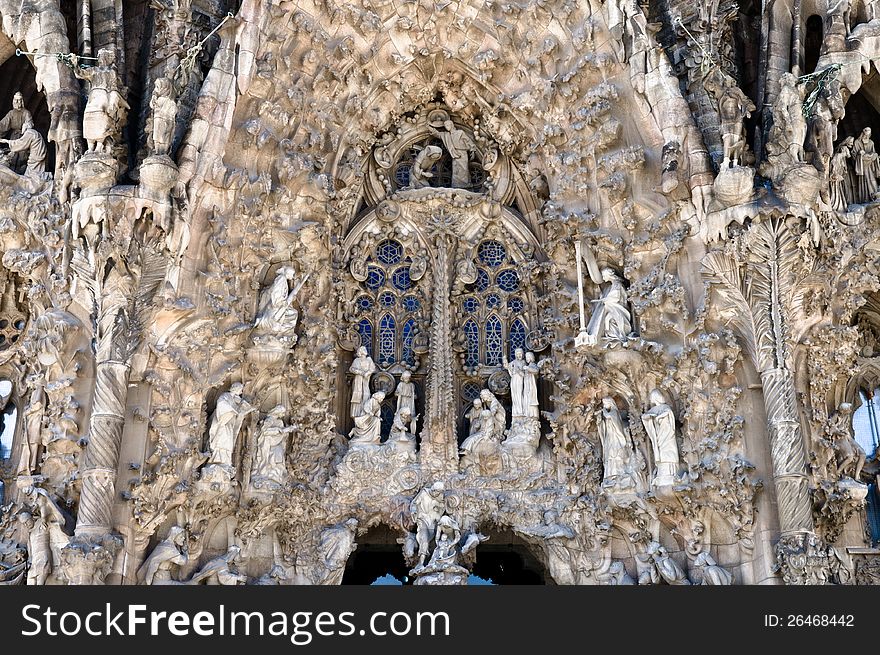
point(106, 108)
point(32, 143)
point(406, 398)
point(271, 447)
point(229, 415)
point(420, 173)
point(276, 316)
point(459, 146)
point(367, 429)
point(362, 368)
point(711, 573)
point(659, 422)
point(841, 193)
point(221, 570)
point(866, 166)
point(161, 565)
point(611, 320)
point(426, 509)
point(164, 108)
point(617, 448)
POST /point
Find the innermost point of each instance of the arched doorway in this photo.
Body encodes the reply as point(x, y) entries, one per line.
point(378, 559)
point(505, 559)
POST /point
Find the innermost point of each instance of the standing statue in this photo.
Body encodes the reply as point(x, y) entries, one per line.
point(850, 456)
point(11, 126)
point(335, 546)
point(616, 445)
point(164, 115)
point(362, 368)
point(229, 414)
point(474, 417)
point(611, 318)
point(733, 107)
point(368, 425)
point(426, 509)
point(271, 447)
point(33, 426)
point(659, 422)
point(530, 387)
point(420, 171)
point(106, 108)
point(458, 145)
point(33, 143)
point(166, 555)
point(517, 371)
point(866, 167)
point(839, 178)
point(39, 549)
point(788, 117)
point(406, 398)
point(276, 315)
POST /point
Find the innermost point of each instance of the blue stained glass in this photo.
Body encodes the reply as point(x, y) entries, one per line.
point(493, 341)
point(401, 174)
point(375, 278)
point(471, 304)
point(411, 304)
point(516, 304)
point(400, 278)
point(492, 253)
point(364, 303)
point(365, 329)
point(389, 252)
point(387, 337)
point(472, 337)
point(517, 337)
point(493, 301)
point(470, 390)
point(482, 282)
point(387, 299)
point(508, 280)
point(408, 355)
point(387, 414)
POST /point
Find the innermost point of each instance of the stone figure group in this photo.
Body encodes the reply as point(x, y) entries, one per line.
point(488, 421)
point(853, 172)
point(611, 321)
point(25, 146)
point(523, 384)
point(366, 407)
point(277, 315)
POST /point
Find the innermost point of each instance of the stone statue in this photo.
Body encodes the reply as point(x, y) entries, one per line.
point(712, 574)
point(400, 435)
point(335, 546)
point(106, 108)
point(164, 115)
point(362, 368)
point(406, 398)
point(458, 145)
point(617, 446)
point(482, 447)
point(276, 315)
point(659, 422)
point(658, 565)
point(426, 509)
point(271, 447)
point(866, 167)
point(849, 454)
point(368, 425)
point(11, 125)
point(733, 107)
point(169, 553)
point(474, 417)
point(39, 550)
point(226, 422)
point(420, 172)
point(33, 426)
point(530, 386)
point(839, 177)
point(611, 318)
point(32, 143)
point(517, 371)
point(221, 570)
point(789, 125)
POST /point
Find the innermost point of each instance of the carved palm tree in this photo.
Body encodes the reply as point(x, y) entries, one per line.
point(760, 293)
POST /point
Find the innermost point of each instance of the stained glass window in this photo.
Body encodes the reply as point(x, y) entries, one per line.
point(364, 303)
point(387, 299)
point(471, 304)
point(493, 341)
point(411, 304)
point(492, 253)
point(482, 282)
point(387, 337)
point(516, 304)
point(375, 278)
point(508, 280)
point(365, 329)
point(472, 337)
point(401, 174)
point(517, 337)
point(400, 278)
point(408, 355)
point(493, 301)
point(471, 390)
point(389, 252)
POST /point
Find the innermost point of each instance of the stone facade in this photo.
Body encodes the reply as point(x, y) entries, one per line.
point(298, 282)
